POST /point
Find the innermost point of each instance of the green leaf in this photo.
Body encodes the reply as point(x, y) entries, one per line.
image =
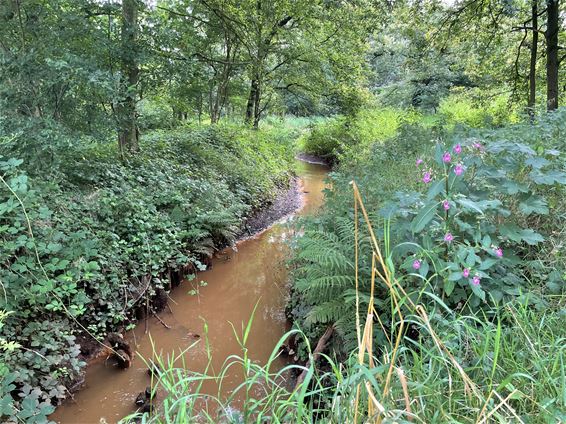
point(455, 276)
point(425, 215)
point(436, 188)
point(548, 178)
point(516, 234)
point(513, 187)
point(487, 263)
point(478, 291)
point(537, 162)
point(534, 204)
point(423, 270)
point(449, 287)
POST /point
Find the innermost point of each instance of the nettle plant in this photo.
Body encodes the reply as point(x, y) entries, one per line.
point(471, 228)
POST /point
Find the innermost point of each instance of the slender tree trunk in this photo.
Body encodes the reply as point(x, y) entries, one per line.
point(252, 98)
point(128, 135)
point(552, 61)
point(257, 110)
point(533, 65)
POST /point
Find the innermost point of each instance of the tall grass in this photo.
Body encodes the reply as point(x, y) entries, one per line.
point(436, 367)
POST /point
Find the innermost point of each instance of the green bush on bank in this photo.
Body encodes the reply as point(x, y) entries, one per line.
point(334, 137)
point(101, 227)
point(509, 195)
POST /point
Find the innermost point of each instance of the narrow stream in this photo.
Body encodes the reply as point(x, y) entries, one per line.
point(237, 280)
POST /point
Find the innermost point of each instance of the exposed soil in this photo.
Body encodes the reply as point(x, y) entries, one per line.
point(286, 203)
point(305, 157)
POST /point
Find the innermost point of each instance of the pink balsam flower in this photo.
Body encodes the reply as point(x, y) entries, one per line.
point(419, 161)
point(476, 280)
point(446, 157)
point(448, 237)
point(458, 148)
point(416, 264)
point(446, 205)
point(427, 178)
point(458, 169)
point(498, 252)
point(466, 272)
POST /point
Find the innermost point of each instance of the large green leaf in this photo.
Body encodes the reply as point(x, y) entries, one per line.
point(516, 234)
point(425, 215)
point(548, 178)
point(534, 204)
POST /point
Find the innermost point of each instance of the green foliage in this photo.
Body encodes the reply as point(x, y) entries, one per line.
point(354, 134)
point(518, 352)
point(79, 239)
point(469, 108)
point(509, 196)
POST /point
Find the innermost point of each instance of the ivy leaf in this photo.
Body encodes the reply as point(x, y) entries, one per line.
point(534, 204)
point(424, 217)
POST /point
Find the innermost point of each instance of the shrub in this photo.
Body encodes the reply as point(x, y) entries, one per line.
point(507, 197)
point(79, 239)
point(354, 135)
point(471, 108)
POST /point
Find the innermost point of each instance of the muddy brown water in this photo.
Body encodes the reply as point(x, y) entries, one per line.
point(254, 272)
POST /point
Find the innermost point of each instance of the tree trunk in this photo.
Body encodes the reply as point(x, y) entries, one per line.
point(257, 110)
point(552, 61)
point(533, 65)
point(128, 135)
point(252, 98)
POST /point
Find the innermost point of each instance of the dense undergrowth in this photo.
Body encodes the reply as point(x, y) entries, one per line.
point(86, 238)
point(465, 300)
point(473, 223)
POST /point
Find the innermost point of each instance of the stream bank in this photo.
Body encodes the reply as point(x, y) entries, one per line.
point(239, 277)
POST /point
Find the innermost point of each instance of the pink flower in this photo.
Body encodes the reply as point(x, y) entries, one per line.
point(459, 169)
point(446, 205)
point(448, 237)
point(477, 145)
point(458, 148)
point(446, 157)
point(466, 272)
point(416, 264)
point(427, 178)
point(498, 252)
point(476, 280)
point(419, 161)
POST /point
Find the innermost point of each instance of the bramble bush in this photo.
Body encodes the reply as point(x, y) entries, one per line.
point(100, 226)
